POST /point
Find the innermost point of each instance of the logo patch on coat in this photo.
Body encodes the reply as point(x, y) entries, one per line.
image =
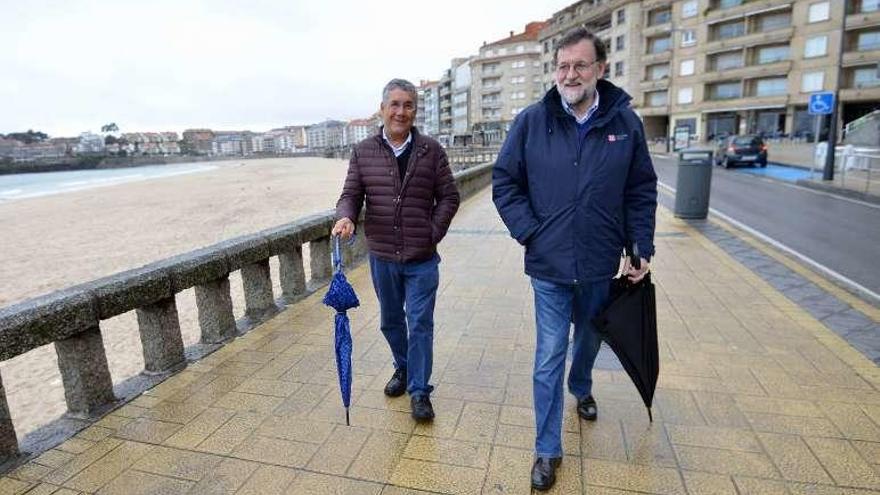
point(617, 137)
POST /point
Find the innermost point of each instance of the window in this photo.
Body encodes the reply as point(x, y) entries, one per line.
point(773, 86)
point(621, 16)
point(812, 81)
point(685, 96)
point(870, 6)
point(725, 91)
point(866, 77)
point(536, 79)
point(658, 71)
point(770, 54)
point(688, 37)
point(655, 98)
point(817, 46)
point(502, 51)
point(774, 21)
point(658, 17)
point(818, 12)
point(686, 68)
point(729, 60)
point(730, 30)
point(517, 64)
point(658, 45)
point(726, 4)
point(520, 48)
point(621, 42)
point(618, 69)
point(689, 9)
point(869, 41)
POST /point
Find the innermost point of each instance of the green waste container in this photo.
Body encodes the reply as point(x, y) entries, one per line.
point(693, 183)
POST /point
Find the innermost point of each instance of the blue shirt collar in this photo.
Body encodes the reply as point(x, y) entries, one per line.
point(398, 150)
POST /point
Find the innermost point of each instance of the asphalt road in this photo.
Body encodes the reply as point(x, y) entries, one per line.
point(840, 234)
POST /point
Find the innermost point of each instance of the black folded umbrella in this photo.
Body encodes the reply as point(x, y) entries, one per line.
point(629, 325)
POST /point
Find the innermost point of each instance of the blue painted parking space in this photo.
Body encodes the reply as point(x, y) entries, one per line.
point(774, 171)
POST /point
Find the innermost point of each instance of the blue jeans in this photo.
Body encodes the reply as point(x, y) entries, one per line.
point(556, 306)
point(407, 292)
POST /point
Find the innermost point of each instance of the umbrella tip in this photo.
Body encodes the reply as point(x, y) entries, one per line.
point(650, 416)
point(347, 422)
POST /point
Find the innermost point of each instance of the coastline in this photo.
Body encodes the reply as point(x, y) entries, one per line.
point(111, 162)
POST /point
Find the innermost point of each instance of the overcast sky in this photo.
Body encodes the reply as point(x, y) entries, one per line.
point(71, 66)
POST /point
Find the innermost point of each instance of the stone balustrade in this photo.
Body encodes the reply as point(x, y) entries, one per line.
point(70, 318)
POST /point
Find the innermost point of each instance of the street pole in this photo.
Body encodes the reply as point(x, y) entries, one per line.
point(816, 145)
point(828, 173)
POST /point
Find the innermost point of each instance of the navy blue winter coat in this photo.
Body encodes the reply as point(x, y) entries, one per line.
point(575, 205)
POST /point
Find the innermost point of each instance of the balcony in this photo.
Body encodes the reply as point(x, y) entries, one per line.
point(491, 104)
point(751, 39)
point(646, 111)
point(745, 103)
point(861, 58)
point(653, 4)
point(655, 84)
point(650, 31)
point(867, 19)
point(749, 72)
point(654, 58)
point(747, 8)
point(860, 94)
point(487, 90)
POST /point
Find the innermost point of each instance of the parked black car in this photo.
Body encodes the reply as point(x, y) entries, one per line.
point(749, 149)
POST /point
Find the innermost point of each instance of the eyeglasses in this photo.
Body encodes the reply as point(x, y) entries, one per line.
point(580, 67)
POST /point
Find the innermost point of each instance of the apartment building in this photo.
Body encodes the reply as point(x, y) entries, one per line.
point(357, 130)
point(461, 103)
point(326, 135)
point(507, 76)
point(198, 141)
point(428, 116)
point(732, 66)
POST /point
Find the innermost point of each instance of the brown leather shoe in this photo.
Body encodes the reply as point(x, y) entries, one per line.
point(544, 472)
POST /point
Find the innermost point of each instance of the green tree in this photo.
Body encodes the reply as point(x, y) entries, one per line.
point(111, 127)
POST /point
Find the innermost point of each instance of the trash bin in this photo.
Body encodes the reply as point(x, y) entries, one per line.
point(693, 183)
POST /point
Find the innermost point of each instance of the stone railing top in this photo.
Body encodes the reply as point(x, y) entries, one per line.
point(59, 315)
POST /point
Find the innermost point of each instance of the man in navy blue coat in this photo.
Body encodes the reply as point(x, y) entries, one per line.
point(574, 184)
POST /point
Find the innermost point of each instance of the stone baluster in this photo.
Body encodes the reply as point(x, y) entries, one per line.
point(320, 261)
point(216, 318)
point(161, 339)
point(8, 440)
point(84, 372)
point(292, 273)
point(257, 282)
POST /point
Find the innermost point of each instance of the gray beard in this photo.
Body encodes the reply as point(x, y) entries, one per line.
point(583, 97)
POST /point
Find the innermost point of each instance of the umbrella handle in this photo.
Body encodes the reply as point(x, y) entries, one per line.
point(336, 253)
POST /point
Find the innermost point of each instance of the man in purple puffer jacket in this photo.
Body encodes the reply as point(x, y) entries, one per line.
point(411, 197)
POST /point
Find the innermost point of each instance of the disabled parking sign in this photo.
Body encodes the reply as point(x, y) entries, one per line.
point(821, 103)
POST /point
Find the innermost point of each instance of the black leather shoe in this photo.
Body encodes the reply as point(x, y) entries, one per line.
point(396, 386)
point(422, 410)
point(587, 408)
point(544, 472)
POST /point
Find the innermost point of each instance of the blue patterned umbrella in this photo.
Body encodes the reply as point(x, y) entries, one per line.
point(341, 297)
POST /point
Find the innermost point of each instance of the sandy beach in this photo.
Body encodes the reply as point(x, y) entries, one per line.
point(52, 242)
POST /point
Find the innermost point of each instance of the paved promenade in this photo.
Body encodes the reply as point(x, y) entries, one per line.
point(755, 397)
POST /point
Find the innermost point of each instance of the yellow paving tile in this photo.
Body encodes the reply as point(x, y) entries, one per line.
point(275, 451)
point(447, 451)
point(225, 478)
point(231, 433)
point(711, 437)
point(755, 486)
point(248, 403)
point(844, 463)
point(298, 429)
point(108, 467)
point(339, 450)
point(708, 484)
point(478, 422)
point(275, 388)
point(147, 430)
point(10, 486)
point(379, 456)
point(30, 472)
point(268, 479)
point(793, 458)
point(648, 479)
point(176, 463)
point(432, 476)
point(792, 425)
point(46, 489)
point(603, 440)
point(198, 429)
point(138, 483)
point(647, 444)
point(725, 462)
point(322, 484)
point(174, 412)
point(82, 461)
